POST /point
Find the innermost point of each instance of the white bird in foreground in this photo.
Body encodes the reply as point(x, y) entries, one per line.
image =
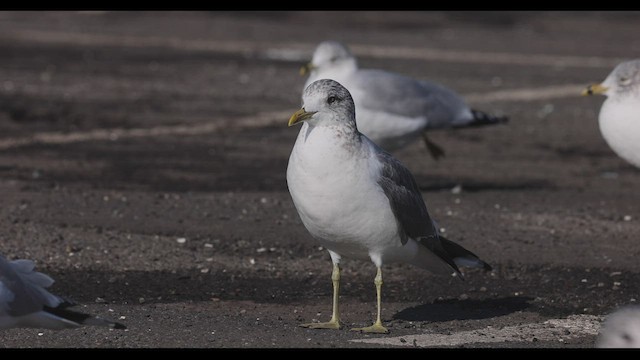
point(620, 113)
point(357, 200)
point(621, 329)
point(24, 301)
point(394, 110)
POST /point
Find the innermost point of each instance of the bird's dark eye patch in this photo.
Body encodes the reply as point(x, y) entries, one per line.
point(624, 80)
point(331, 99)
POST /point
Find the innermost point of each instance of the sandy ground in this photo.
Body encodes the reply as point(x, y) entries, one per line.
point(143, 158)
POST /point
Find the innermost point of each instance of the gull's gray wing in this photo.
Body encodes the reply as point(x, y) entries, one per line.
point(412, 217)
point(402, 95)
point(22, 290)
point(405, 199)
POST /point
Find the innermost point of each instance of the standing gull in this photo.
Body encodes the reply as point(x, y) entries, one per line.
point(620, 113)
point(357, 200)
point(394, 110)
point(24, 301)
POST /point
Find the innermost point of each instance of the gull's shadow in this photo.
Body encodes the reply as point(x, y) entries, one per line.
point(464, 309)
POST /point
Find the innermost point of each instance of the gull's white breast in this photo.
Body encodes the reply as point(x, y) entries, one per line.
point(620, 126)
point(334, 188)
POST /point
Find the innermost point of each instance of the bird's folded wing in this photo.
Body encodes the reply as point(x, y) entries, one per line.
point(401, 95)
point(405, 199)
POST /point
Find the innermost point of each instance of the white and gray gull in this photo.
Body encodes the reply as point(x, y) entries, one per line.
point(357, 200)
point(25, 303)
point(619, 117)
point(621, 329)
point(394, 110)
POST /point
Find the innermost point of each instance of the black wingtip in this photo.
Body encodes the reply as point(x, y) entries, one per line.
point(486, 267)
point(82, 318)
point(457, 251)
point(119, 326)
point(480, 118)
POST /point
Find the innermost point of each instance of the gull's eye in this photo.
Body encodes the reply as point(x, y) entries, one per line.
point(331, 100)
point(624, 80)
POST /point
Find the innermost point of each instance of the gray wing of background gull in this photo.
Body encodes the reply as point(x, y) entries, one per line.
point(24, 301)
point(402, 95)
point(412, 216)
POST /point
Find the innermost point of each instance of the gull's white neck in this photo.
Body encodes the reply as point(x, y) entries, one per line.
point(326, 143)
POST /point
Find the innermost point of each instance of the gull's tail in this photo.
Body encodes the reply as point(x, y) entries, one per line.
point(480, 118)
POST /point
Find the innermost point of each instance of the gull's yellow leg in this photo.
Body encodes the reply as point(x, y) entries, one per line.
point(377, 326)
point(334, 323)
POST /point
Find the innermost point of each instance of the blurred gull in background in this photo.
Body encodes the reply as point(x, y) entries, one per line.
point(394, 110)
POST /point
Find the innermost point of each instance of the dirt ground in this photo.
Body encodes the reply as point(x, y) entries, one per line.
point(143, 159)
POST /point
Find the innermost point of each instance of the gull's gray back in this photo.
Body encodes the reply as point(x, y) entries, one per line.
point(401, 95)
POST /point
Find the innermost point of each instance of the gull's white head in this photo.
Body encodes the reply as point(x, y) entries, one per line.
point(326, 102)
point(621, 329)
point(622, 81)
point(330, 56)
